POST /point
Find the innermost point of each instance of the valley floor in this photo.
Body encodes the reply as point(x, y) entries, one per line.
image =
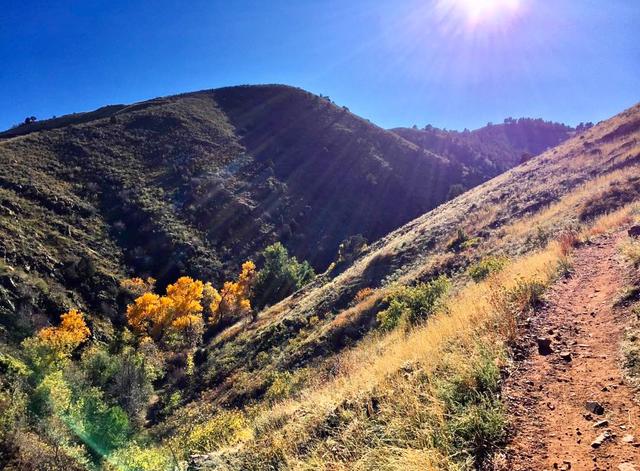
point(548, 393)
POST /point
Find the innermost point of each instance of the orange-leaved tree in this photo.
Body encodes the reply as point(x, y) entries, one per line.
point(233, 298)
point(67, 336)
point(177, 312)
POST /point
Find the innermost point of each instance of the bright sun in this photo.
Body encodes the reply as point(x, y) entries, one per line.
point(478, 11)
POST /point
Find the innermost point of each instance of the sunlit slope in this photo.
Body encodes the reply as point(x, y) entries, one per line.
point(195, 184)
point(594, 173)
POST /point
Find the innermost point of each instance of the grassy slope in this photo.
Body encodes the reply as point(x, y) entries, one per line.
point(515, 214)
point(194, 184)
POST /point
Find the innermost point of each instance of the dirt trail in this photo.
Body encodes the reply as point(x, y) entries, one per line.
point(547, 394)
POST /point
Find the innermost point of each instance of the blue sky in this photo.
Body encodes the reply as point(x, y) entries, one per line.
point(396, 63)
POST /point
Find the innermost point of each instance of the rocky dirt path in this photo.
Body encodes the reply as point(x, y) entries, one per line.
point(563, 402)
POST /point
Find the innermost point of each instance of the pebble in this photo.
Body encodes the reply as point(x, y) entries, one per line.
point(566, 356)
point(600, 439)
point(595, 407)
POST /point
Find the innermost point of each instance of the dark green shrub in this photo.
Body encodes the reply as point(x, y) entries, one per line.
point(526, 295)
point(280, 276)
point(462, 241)
point(476, 419)
point(485, 267)
point(413, 304)
point(98, 365)
point(479, 428)
point(127, 377)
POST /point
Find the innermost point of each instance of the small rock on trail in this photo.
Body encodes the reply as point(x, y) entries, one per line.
point(600, 439)
point(594, 407)
point(566, 356)
point(544, 345)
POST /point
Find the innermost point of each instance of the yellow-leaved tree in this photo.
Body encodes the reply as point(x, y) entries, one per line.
point(233, 298)
point(179, 314)
point(51, 347)
point(67, 336)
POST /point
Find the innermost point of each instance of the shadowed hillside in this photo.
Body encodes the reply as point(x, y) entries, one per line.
point(195, 184)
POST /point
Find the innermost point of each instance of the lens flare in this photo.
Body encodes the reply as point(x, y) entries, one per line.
point(479, 11)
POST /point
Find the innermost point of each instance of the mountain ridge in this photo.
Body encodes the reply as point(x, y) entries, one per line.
point(494, 148)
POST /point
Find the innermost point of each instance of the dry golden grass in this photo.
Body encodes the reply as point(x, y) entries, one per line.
point(384, 408)
point(569, 204)
point(613, 220)
point(353, 314)
point(631, 251)
point(475, 321)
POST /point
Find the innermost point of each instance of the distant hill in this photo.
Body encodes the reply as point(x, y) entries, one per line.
point(494, 148)
point(195, 184)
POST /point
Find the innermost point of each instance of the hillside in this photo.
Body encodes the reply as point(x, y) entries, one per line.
point(508, 214)
point(494, 148)
point(321, 338)
point(395, 360)
point(195, 184)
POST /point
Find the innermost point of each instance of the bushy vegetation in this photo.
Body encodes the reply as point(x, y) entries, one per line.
point(280, 276)
point(480, 270)
point(413, 304)
point(73, 403)
point(90, 401)
point(631, 251)
point(462, 241)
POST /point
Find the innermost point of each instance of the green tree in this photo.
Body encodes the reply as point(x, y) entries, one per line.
point(280, 276)
point(106, 427)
